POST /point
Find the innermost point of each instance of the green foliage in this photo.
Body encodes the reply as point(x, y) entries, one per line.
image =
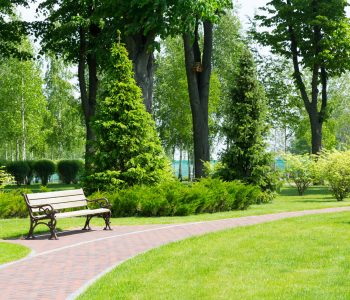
point(68, 170)
point(328, 16)
point(19, 170)
point(31, 171)
point(24, 107)
point(127, 146)
point(334, 167)
point(5, 178)
point(301, 170)
point(12, 205)
point(11, 29)
point(64, 129)
point(177, 199)
point(44, 169)
point(245, 128)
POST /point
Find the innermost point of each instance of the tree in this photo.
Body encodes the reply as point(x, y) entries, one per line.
point(74, 30)
point(64, 128)
point(198, 70)
point(284, 107)
point(11, 29)
point(23, 106)
point(172, 110)
point(128, 150)
point(245, 127)
point(315, 36)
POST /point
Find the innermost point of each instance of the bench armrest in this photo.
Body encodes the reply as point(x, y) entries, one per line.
point(102, 202)
point(47, 209)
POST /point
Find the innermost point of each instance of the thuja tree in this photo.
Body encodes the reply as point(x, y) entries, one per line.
point(128, 150)
point(314, 35)
point(245, 127)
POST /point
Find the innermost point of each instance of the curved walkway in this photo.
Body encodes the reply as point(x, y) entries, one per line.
point(62, 269)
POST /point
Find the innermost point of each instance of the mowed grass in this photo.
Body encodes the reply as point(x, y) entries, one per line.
point(10, 252)
point(288, 200)
point(299, 258)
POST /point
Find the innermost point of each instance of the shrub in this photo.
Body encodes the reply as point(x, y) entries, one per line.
point(19, 170)
point(177, 199)
point(68, 170)
point(12, 205)
point(31, 172)
point(5, 178)
point(44, 169)
point(301, 169)
point(335, 169)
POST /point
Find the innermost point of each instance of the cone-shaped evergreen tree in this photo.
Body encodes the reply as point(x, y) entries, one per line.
point(245, 127)
point(128, 149)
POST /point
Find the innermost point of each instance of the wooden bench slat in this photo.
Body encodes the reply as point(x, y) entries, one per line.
point(57, 200)
point(79, 213)
point(65, 205)
point(47, 195)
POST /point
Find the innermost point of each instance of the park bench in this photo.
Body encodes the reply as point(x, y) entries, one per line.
point(46, 208)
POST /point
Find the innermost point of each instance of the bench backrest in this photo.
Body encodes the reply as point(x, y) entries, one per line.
point(58, 200)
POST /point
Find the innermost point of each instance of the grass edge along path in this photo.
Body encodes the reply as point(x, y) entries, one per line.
point(12, 252)
point(314, 198)
point(298, 258)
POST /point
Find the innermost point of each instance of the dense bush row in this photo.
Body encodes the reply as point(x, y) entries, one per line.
point(177, 199)
point(23, 172)
point(167, 199)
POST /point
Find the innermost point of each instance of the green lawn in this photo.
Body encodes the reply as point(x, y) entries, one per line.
point(288, 200)
point(299, 258)
point(10, 252)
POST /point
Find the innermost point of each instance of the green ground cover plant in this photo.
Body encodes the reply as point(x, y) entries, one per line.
point(299, 258)
point(10, 252)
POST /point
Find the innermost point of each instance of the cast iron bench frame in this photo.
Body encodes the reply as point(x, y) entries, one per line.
point(47, 207)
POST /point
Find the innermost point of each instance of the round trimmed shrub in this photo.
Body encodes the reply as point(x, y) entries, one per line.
point(31, 172)
point(44, 169)
point(68, 170)
point(19, 170)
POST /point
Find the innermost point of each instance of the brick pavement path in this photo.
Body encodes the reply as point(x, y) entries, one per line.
point(62, 269)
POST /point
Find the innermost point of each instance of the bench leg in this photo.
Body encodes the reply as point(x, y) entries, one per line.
point(52, 226)
point(30, 235)
point(87, 223)
point(107, 217)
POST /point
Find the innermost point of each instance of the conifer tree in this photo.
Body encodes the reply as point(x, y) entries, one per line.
point(245, 127)
point(128, 150)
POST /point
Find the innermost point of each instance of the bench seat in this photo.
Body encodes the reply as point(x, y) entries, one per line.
point(51, 206)
point(80, 213)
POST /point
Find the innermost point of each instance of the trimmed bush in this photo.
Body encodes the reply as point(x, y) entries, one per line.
point(31, 172)
point(19, 170)
point(68, 170)
point(44, 169)
point(177, 199)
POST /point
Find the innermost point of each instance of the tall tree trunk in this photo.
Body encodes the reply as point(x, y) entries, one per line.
point(88, 94)
point(319, 73)
point(142, 57)
point(24, 148)
point(198, 80)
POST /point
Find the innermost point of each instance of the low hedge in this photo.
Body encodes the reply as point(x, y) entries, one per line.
point(167, 199)
point(68, 170)
point(177, 199)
